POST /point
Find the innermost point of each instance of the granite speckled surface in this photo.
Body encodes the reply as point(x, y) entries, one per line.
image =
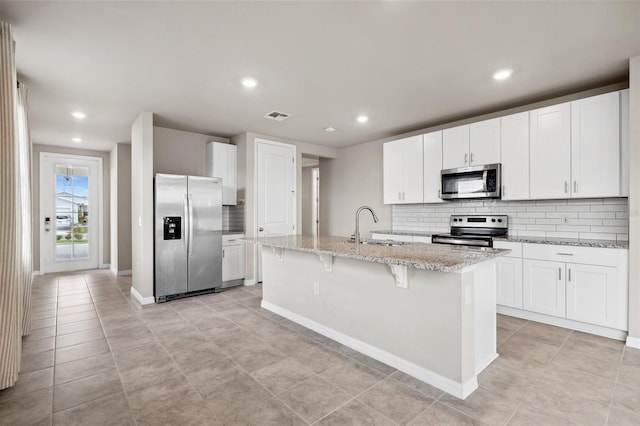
point(533, 240)
point(431, 257)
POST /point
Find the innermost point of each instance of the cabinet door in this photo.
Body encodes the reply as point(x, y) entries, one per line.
point(595, 146)
point(222, 163)
point(544, 287)
point(509, 282)
point(392, 156)
point(232, 262)
point(484, 142)
point(455, 147)
point(624, 143)
point(432, 151)
point(412, 170)
point(550, 151)
point(514, 156)
point(592, 294)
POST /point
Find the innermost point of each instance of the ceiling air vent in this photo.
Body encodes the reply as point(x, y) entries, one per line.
point(278, 116)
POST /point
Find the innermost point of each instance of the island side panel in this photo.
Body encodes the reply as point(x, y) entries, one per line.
point(429, 325)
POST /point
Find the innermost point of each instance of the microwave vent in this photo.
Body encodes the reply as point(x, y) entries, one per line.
point(277, 116)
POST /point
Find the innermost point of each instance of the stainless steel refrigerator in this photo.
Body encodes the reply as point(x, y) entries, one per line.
point(188, 235)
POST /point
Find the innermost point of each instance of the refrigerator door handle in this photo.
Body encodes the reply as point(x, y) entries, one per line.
point(185, 224)
point(190, 222)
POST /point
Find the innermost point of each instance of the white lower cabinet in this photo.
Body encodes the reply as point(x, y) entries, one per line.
point(232, 258)
point(544, 287)
point(592, 294)
point(509, 282)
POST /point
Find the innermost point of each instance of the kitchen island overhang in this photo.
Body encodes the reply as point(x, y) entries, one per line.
point(426, 310)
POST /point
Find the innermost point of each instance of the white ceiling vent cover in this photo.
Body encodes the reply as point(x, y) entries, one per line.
point(278, 116)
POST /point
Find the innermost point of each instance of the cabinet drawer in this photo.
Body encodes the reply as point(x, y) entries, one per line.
point(232, 239)
point(586, 255)
point(516, 248)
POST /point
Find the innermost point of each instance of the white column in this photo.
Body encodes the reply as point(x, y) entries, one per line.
point(634, 202)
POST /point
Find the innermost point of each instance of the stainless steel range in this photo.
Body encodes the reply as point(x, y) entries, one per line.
point(473, 230)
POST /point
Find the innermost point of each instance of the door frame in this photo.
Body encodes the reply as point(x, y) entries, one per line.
point(257, 254)
point(99, 197)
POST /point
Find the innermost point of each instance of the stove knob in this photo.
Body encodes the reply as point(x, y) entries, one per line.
point(499, 220)
point(493, 220)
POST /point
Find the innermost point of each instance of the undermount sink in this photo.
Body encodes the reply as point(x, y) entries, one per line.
point(388, 243)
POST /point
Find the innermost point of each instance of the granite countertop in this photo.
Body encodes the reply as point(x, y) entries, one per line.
point(580, 242)
point(437, 257)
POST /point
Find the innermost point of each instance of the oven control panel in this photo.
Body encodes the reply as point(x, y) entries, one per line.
point(479, 221)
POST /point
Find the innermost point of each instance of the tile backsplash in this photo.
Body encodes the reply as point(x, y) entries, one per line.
point(598, 218)
point(233, 218)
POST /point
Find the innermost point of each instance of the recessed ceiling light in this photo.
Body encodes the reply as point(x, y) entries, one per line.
point(329, 129)
point(76, 140)
point(502, 74)
point(249, 82)
point(78, 114)
point(362, 119)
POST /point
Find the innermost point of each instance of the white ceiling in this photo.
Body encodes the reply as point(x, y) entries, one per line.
point(407, 65)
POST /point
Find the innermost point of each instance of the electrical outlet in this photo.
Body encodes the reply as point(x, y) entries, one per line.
point(316, 288)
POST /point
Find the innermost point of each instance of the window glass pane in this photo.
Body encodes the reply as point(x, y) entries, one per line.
point(72, 212)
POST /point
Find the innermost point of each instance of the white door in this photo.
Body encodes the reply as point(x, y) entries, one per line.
point(455, 147)
point(550, 150)
point(432, 161)
point(514, 153)
point(592, 294)
point(544, 287)
point(484, 142)
point(509, 282)
point(70, 212)
point(595, 146)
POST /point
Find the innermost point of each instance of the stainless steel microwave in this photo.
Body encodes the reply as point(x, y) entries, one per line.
point(471, 182)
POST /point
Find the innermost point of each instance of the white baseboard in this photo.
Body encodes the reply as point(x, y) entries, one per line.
point(611, 333)
point(105, 266)
point(459, 390)
point(633, 342)
point(35, 273)
point(250, 282)
point(125, 273)
point(141, 299)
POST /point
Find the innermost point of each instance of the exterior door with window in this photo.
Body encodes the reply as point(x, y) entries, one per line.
point(70, 210)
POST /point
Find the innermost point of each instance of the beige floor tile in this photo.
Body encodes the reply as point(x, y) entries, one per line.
point(153, 355)
point(78, 326)
point(40, 333)
point(352, 377)
point(571, 358)
point(626, 398)
point(576, 384)
point(314, 399)
point(526, 353)
point(271, 412)
point(619, 417)
point(157, 394)
point(527, 416)
point(355, 413)
point(82, 368)
point(36, 346)
point(28, 382)
point(234, 394)
point(51, 313)
point(42, 323)
point(544, 333)
point(76, 309)
point(417, 385)
point(483, 405)
point(80, 316)
point(282, 376)
point(319, 359)
point(510, 382)
point(257, 355)
point(80, 337)
point(112, 410)
point(375, 364)
point(629, 374)
point(160, 317)
point(145, 375)
point(84, 390)
point(82, 350)
point(29, 409)
point(191, 358)
point(439, 414)
point(37, 361)
point(396, 401)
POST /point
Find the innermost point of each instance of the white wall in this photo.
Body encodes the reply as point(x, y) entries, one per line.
point(121, 209)
point(142, 204)
point(306, 193)
point(179, 152)
point(634, 202)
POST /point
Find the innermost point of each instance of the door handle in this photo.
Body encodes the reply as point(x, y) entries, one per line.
point(185, 224)
point(190, 225)
point(260, 229)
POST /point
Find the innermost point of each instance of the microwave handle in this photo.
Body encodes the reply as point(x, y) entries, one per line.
point(484, 180)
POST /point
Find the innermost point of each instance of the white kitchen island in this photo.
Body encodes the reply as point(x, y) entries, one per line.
point(427, 310)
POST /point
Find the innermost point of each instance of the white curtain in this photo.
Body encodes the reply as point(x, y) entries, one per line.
point(15, 214)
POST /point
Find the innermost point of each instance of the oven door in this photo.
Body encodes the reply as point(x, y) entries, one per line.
point(463, 240)
point(471, 182)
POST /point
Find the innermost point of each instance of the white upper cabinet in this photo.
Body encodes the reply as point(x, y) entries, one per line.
point(550, 152)
point(222, 163)
point(595, 146)
point(403, 171)
point(514, 149)
point(455, 147)
point(624, 143)
point(432, 162)
point(484, 142)
point(471, 145)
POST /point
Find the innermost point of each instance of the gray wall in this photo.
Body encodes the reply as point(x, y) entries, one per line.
point(307, 200)
point(105, 237)
point(634, 202)
point(121, 209)
point(179, 152)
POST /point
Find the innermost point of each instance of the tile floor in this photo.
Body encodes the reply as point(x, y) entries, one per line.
point(96, 357)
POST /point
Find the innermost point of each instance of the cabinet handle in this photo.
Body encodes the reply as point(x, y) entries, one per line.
point(399, 196)
point(223, 253)
point(564, 254)
point(471, 158)
point(465, 158)
point(565, 186)
point(503, 190)
point(559, 274)
point(403, 194)
point(569, 275)
point(575, 186)
point(438, 193)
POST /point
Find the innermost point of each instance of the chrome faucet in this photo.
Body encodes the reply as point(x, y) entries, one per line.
point(357, 233)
